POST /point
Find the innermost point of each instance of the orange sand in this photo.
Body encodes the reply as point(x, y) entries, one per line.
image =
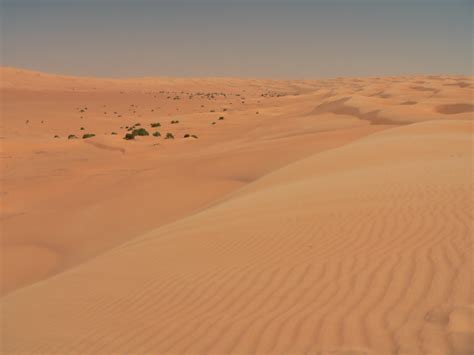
point(318, 217)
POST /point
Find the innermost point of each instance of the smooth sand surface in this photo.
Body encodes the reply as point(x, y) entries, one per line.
point(317, 217)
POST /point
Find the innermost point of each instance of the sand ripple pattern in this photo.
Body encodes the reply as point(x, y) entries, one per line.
point(372, 259)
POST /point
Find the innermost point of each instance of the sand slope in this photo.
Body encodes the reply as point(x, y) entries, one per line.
point(374, 256)
point(318, 229)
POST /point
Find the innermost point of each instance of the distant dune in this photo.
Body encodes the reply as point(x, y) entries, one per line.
point(303, 217)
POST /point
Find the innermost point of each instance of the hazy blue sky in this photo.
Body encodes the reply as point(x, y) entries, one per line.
point(259, 38)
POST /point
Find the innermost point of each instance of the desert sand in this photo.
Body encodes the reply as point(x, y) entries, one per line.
point(306, 217)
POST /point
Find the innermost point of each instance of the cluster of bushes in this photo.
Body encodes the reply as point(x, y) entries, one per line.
point(136, 132)
point(140, 132)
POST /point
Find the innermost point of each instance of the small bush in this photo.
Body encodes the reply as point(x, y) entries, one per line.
point(187, 135)
point(174, 122)
point(213, 123)
point(114, 133)
point(72, 136)
point(140, 132)
point(169, 136)
point(88, 135)
point(82, 128)
point(156, 124)
point(221, 118)
point(194, 136)
point(56, 136)
point(157, 134)
point(129, 136)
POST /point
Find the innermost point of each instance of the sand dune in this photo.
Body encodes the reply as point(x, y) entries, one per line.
point(337, 220)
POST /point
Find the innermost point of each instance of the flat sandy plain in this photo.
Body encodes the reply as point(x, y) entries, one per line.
point(317, 217)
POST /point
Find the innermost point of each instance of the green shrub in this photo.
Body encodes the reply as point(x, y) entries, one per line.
point(157, 134)
point(140, 132)
point(88, 135)
point(169, 136)
point(156, 124)
point(129, 136)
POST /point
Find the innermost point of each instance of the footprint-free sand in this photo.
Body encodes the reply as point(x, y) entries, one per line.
point(306, 217)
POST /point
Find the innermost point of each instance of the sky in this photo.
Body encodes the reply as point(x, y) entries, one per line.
point(281, 39)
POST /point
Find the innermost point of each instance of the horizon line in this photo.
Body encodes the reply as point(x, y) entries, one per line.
point(131, 77)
